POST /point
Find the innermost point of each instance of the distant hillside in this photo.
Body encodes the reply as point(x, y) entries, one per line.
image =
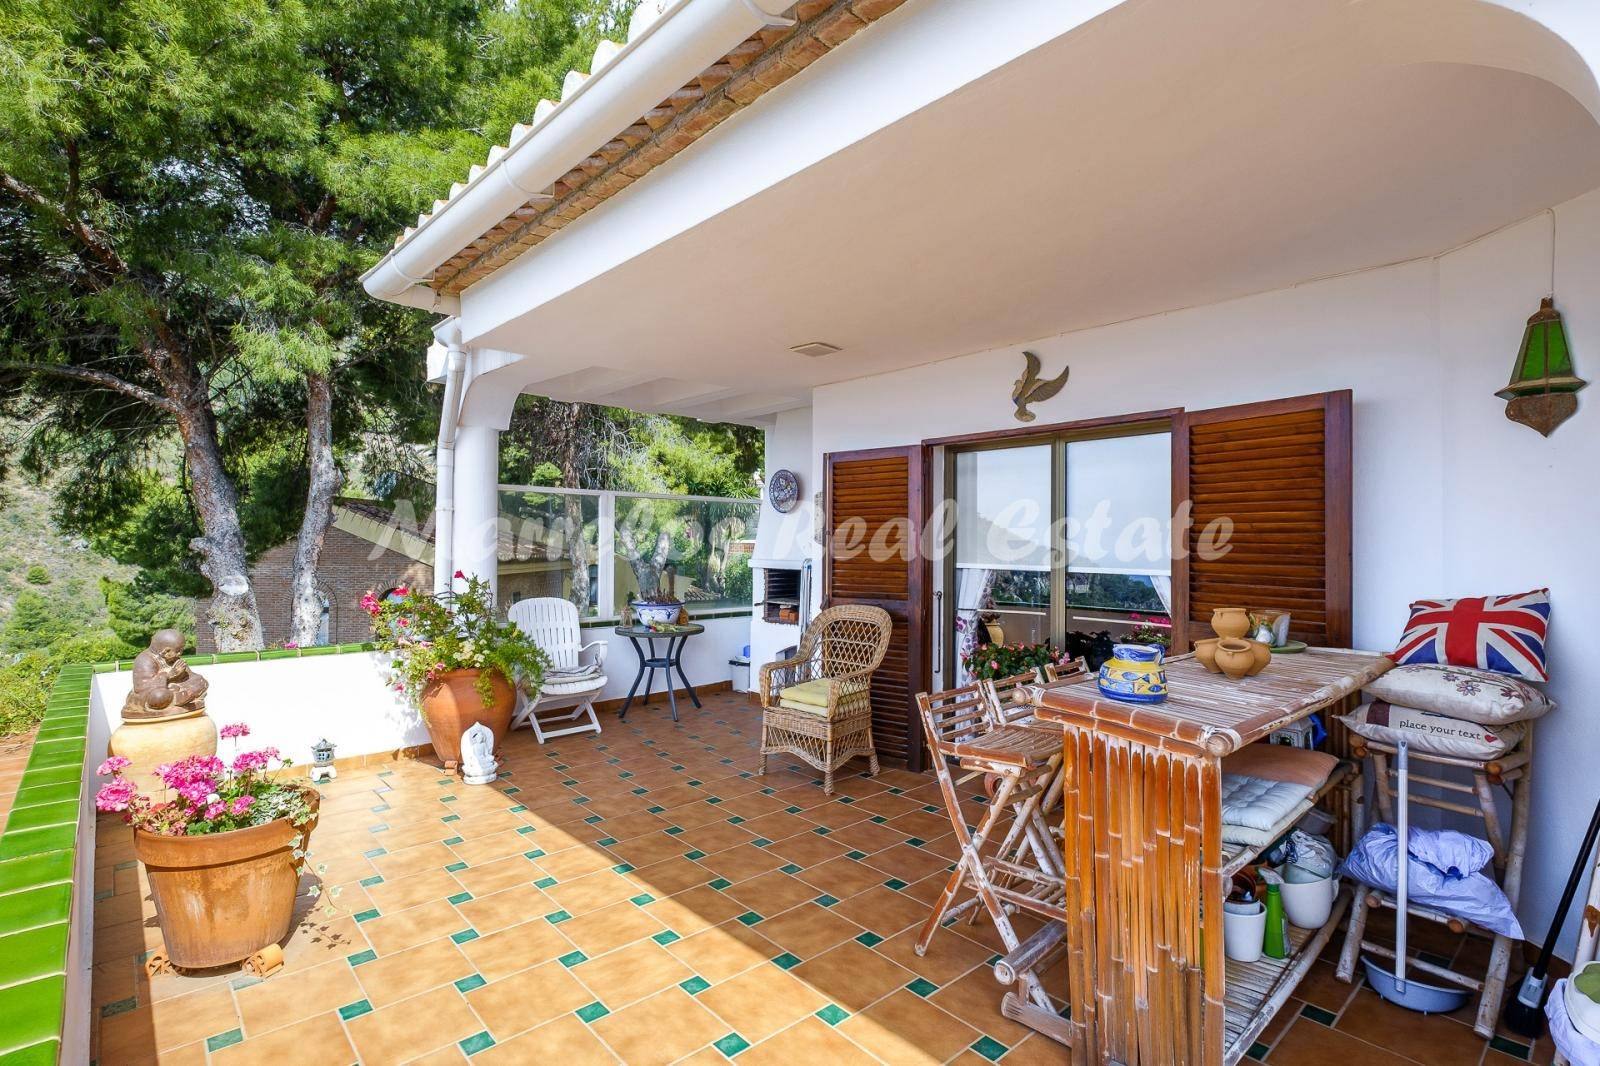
point(32, 546)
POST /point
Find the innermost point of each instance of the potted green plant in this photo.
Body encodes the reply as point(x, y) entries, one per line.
point(224, 855)
point(990, 662)
point(456, 660)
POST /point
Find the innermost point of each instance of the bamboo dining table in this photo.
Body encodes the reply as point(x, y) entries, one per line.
point(1146, 864)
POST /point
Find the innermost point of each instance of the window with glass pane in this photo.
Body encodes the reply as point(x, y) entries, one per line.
point(695, 551)
point(1119, 521)
point(1002, 579)
point(549, 546)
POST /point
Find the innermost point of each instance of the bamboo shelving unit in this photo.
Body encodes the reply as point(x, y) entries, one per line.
point(1142, 802)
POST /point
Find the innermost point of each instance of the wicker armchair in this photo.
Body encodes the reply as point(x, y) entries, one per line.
point(818, 705)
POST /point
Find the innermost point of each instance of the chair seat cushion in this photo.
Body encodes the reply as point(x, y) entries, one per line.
point(812, 695)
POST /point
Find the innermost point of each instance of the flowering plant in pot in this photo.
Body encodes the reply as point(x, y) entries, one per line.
point(456, 659)
point(224, 856)
point(990, 662)
point(1150, 629)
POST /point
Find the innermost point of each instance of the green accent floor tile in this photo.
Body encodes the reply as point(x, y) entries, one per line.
point(367, 915)
point(623, 868)
point(750, 918)
point(1257, 1052)
point(791, 809)
point(923, 987)
point(694, 854)
point(732, 1044)
point(360, 957)
point(469, 982)
point(825, 900)
point(451, 842)
point(822, 831)
point(790, 868)
point(869, 939)
point(606, 842)
point(593, 1012)
point(915, 842)
point(374, 853)
point(543, 882)
point(536, 853)
point(355, 1010)
point(641, 899)
point(761, 842)
point(1318, 1014)
point(524, 829)
point(475, 1043)
point(833, 1014)
point(989, 1048)
point(721, 883)
point(459, 898)
point(856, 855)
point(222, 1040)
point(464, 935)
point(894, 883)
point(694, 985)
point(121, 1006)
point(557, 917)
point(368, 882)
point(1510, 1047)
point(455, 867)
point(786, 961)
point(674, 830)
point(572, 958)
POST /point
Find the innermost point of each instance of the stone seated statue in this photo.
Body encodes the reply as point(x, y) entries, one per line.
point(163, 684)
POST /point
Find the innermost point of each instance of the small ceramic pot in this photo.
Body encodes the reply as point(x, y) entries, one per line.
point(1244, 930)
point(1134, 673)
point(1229, 622)
point(1205, 652)
point(1235, 657)
point(1263, 656)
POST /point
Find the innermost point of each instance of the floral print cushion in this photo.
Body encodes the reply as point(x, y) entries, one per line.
point(1471, 695)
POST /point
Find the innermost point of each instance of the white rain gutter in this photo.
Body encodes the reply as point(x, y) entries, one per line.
point(657, 61)
point(444, 508)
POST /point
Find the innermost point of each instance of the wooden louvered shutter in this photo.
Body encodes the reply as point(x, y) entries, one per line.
point(877, 498)
point(1280, 470)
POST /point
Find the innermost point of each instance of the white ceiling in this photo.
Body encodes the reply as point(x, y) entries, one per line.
point(1178, 156)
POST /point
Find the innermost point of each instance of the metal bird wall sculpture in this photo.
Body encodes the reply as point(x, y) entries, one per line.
point(1029, 389)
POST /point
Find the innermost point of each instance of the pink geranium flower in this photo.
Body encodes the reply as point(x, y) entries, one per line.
point(114, 765)
point(115, 796)
point(234, 731)
point(240, 804)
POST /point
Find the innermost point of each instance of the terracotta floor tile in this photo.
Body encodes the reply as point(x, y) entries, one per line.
point(948, 957)
point(906, 862)
point(808, 930)
point(516, 948)
point(975, 999)
point(905, 1027)
point(391, 897)
point(761, 1001)
point(671, 876)
point(609, 928)
point(288, 998)
point(1306, 1043)
point(500, 874)
point(489, 848)
point(717, 836)
point(170, 1023)
point(842, 878)
point(741, 862)
point(811, 1041)
point(503, 909)
point(407, 861)
point(808, 849)
point(699, 908)
point(391, 933)
point(528, 998)
point(853, 976)
point(565, 1040)
point(412, 1027)
point(837, 815)
point(316, 1041)
point(1433, 1040)
point(396, 977)
point(319, 939)
point(772, 893)
point(659, 1030)
point(632, 973)
point(651, 848)
point(574, 862)
point(591, 892)
point(884, 911)
point(722, 951)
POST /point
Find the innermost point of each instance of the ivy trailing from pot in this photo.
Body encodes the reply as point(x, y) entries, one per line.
point(456, 660)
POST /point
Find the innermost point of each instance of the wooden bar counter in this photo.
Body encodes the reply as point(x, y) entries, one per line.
point(1146, 865)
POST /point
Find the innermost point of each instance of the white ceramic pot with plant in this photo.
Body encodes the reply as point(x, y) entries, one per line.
point(657, 609)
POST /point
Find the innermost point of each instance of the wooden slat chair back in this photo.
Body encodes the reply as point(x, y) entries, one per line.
point(960, 726)
point(818, 705)
point(552, 623)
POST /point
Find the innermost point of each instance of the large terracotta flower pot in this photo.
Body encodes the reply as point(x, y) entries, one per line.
point(222, 897)
point(451, 706)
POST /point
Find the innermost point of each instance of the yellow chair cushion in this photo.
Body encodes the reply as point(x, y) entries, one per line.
point(807, 693)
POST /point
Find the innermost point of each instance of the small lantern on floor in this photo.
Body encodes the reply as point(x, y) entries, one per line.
point(322, 768)
point(1543, 387)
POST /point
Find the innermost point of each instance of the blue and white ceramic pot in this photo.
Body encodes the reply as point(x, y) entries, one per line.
point(1135, 673)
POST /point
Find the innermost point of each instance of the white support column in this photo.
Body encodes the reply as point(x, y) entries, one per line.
point(477, 499)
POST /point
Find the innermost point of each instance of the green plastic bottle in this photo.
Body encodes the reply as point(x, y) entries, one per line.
point(1276, 943)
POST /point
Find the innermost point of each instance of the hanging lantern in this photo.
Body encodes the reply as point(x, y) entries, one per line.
point(1542, 391)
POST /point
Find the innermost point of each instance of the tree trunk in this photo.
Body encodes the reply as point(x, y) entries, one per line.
point(324, 482)
point(235, 620)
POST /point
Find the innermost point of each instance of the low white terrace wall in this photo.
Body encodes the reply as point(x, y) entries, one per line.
point(291, 701)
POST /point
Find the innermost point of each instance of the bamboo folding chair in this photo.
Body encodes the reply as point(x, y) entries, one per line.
point(961, 726)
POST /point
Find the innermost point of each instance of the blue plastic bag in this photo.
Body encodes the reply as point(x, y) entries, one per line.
point(1443, 874)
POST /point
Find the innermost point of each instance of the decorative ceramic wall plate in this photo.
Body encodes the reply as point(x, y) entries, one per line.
point(783, 491)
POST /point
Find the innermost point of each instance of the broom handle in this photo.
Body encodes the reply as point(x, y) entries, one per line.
point(1402, 882)
point(1559, 919)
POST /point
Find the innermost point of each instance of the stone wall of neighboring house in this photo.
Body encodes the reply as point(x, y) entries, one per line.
point(350, 565)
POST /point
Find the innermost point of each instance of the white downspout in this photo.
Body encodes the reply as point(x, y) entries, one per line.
point(444, 511)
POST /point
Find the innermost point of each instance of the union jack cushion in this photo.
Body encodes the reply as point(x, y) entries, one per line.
point(1505, 634)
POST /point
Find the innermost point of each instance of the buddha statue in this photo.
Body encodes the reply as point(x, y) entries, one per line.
point(163, 684)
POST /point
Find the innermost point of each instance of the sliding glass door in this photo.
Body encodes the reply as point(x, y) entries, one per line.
point(1063, 539)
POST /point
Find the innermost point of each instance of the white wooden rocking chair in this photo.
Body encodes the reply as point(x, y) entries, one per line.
point(552, 622)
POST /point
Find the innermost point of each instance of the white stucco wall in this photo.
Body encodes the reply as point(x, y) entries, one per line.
point(783, 536)
point(292, 703)
point(1451, 498)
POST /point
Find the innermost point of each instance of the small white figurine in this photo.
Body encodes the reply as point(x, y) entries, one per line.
point(478, 766)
